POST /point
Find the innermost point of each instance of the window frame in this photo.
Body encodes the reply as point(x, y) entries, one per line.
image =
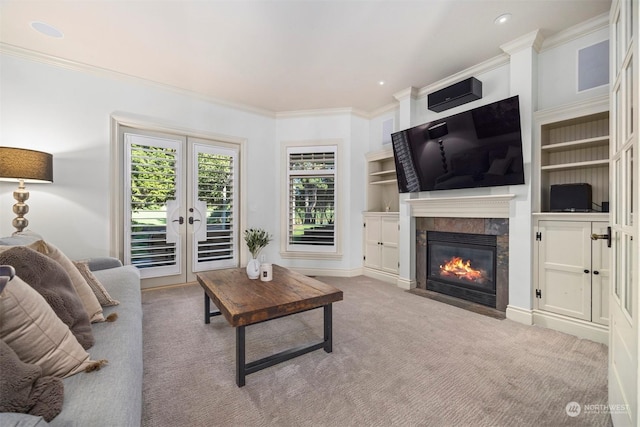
point(287, 250)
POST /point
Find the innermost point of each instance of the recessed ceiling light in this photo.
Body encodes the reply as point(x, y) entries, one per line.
point(381, 82)
point(46, 29)
point(502, 19)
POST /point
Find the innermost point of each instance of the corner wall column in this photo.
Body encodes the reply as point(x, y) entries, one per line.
point(407, 231)
point(523, 72)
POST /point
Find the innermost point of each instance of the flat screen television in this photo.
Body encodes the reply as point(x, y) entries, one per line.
point(481, 147)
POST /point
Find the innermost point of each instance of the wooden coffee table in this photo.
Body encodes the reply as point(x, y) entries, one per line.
point(245, 302)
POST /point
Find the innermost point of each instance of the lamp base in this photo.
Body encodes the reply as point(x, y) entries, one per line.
point(20, 208)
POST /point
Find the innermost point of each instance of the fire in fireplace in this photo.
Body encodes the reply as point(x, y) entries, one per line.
point(462, 265)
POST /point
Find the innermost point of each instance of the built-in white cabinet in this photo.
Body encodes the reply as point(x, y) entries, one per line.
point(571, 274)
point(381, 244)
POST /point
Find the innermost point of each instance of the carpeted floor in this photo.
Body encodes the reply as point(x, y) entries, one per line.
point(398, 359)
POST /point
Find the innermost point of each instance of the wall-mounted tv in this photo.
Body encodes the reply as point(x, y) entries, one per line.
point(481, 147)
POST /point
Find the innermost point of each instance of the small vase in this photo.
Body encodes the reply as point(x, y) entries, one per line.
point(253, 268)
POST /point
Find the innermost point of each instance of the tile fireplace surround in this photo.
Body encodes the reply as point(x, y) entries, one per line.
point(477, 215)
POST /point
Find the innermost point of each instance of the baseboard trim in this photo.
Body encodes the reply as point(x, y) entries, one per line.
point(520, 315)
point(576, 327)
point(380, 275)
point(327, 272)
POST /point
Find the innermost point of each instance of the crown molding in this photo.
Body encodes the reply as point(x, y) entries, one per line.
point(410, 92)
point(532, 40)
point(106, 73)
point(483, 67)
point(594, 24)
point(322, 112)
point(390, 107)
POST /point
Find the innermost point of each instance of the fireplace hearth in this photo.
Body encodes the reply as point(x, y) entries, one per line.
point(462, 265)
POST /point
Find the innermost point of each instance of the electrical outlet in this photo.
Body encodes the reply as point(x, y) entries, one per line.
point(262, 258)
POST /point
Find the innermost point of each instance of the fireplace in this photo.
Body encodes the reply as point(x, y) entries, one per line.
point(462, 265)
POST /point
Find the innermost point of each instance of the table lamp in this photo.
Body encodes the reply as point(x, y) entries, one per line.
point(24, 166)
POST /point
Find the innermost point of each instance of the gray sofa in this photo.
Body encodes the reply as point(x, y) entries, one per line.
point(111, 396)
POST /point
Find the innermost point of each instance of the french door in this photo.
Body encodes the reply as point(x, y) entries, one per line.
point(180, 206)
point(624, 328)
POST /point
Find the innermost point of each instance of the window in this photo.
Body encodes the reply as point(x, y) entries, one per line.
point(311, 199)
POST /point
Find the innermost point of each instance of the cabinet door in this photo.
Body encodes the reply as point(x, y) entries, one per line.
point(564, 268)
point(389, 247)
point(372, 252)
point(600, 276)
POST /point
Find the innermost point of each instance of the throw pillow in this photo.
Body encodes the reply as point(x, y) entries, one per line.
point(31, 328)
point(51, 281)
point(89, 300)
point(23, 389)
point(99, 291)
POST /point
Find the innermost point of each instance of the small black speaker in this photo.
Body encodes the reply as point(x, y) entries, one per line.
point(457, 94)
point(570, 198)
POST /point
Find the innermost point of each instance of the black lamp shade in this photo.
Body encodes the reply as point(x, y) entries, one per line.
point(28, 165)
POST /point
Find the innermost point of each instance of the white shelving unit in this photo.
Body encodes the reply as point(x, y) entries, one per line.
point(573, 147)
point(382, 185)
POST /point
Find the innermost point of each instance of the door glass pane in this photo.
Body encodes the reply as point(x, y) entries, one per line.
point(618, 43)
point(215, 186)
point(628, 283)
point(629, 102)
point(217, 189)
point(617, 125)
point(629, 185)
point(152, 183)
point(617, 262)
point(617, 199)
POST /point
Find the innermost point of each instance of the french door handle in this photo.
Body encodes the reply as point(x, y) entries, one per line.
point(607, 236)
point(179, 220)
point(191, 220)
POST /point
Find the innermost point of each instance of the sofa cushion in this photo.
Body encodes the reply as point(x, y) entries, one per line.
point(99, 291)
point(89, 300)
point(12, 419)
point(31, 328)
point(115, 393)
point(23, 388)
point(50, 280)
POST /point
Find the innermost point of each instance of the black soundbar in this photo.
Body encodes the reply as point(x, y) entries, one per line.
point(460, 93)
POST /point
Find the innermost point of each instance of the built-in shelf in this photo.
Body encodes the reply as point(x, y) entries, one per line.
point(382, 185)
point(581, 143)
point(384, 182)
point(572, 148)
point(385, 172)
point(577, 165)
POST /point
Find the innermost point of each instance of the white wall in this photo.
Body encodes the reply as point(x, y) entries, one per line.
point(558, 72)
point(67, 113)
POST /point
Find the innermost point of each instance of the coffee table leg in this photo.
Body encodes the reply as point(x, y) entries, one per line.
point(328, 335)
point(240, 359)
point(207, 309)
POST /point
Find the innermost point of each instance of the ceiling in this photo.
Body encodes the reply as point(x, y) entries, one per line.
point(286, 55)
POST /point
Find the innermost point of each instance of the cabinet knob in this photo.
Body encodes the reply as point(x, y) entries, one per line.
point(586, 271)
point(596, 272)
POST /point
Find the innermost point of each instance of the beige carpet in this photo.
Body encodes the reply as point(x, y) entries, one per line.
point(398, 359)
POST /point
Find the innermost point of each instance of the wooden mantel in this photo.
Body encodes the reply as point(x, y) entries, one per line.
point(491, 206)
